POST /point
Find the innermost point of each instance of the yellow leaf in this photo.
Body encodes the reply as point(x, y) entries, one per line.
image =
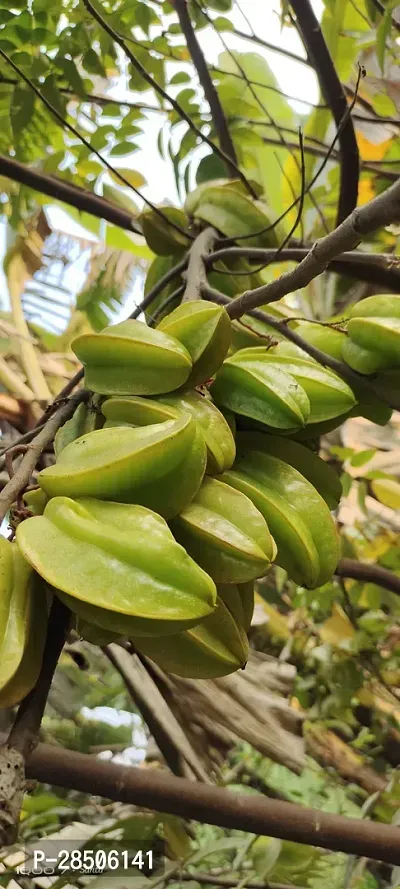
point(132, 176)
point(338, 629)
point(369, 151)
point(366, 191)
point(387, 491)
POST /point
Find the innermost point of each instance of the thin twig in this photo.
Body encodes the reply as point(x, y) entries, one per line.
point(381, 211)
point(21, 479)
point(162, 92)
point(351, 376)
point(61, 397)
point(169, 300)
point(159, 287)
point(317, 50)
point(68, 192)
point(376, 268)
point(217, 112)
point(369, 573)
point(196, 276)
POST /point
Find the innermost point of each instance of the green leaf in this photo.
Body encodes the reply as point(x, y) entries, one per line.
point(382, 34)
point(210, 167)
point(220, 5)
point(347, 482)
point(265, 852)
point(72, 76)
point(362, 457)
point(21, 110)
point(221, 23)
point(121, 240)
point(387, 492)
point(180, 77)
point(118, 197)
point(122, 149)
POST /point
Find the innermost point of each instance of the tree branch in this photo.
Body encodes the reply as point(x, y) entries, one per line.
point(369, 573)
point(217, 112)
point(351, 376)
point(381, 211)
point(196, 277)
point(159, 287)
point(162, 92)
point(376, 268)
point(92, 150)
point(21, 479)
point(213, 805)
point(166, 731)
point(334, 95)
point(67, 192)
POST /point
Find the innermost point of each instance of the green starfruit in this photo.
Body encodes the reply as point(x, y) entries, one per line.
point(136, 411)
point(132, 359)
point(225, 533)
point(216, 647)
point(205, 330)
point(120, 560)
point(159, 466)
point(23, 624)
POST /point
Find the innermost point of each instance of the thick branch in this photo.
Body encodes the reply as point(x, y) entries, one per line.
point(369, 573)
point(217, 113)
point(382, 210)
point(67, 192)
point(382, 269)
point(162, 92)
point(196, 276)
point(213, 805)
point(334, 95)
point(21, 479)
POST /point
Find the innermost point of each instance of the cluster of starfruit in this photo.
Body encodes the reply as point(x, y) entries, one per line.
point(157, 515)
point(368, 340)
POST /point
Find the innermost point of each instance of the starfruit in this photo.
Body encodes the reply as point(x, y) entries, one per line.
point(225, 534)
point(297, 515)
point(160, 466)
point(120, 560)
point(86, 418)
point(132, 359)
point(315, 470)
point(90, 632)
point(216, 647)
point(35, 500)
point(23, 625)
point(136, 411)
point(337, 344)
point(233, 213)
point(162, 237)
point(239, 599)
point(375, 325)
point(217, 432)
point(328, 394)
point(204, 329)
point(262, 391)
